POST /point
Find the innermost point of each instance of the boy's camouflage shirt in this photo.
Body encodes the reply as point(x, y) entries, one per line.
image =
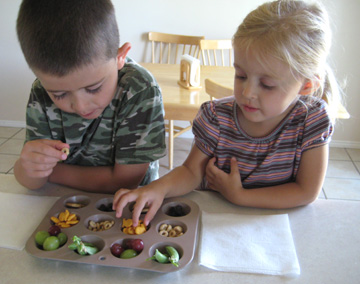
point(129, 131)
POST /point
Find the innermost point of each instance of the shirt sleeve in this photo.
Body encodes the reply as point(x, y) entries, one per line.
point(206, 128)
point(318, 127)
point(141, 134)
point(37, 118)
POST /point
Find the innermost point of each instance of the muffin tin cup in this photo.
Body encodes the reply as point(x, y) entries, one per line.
point(185, 244)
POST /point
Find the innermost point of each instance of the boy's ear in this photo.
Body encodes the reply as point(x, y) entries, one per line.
point(309, 87)
point(121, 54)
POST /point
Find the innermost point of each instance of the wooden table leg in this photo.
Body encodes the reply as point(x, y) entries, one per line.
point(171, 144)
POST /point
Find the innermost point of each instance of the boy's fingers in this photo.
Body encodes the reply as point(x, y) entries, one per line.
point(58, 146)
point(40, 174)
point(46, 147)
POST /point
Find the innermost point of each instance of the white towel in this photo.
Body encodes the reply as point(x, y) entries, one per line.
point(248, 244)
point(20, 214)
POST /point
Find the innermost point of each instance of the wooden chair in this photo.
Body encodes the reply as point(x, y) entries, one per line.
point(167, 49)
point(216, 90)
point(212, 49)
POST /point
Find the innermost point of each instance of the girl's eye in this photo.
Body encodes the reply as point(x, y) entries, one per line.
point(94, 91)
point(240, 77)
point(267, 87)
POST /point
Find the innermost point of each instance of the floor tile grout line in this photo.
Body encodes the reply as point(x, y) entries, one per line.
point(355, 179)
point(324, 192)
point(353, 162)
point(347, 153)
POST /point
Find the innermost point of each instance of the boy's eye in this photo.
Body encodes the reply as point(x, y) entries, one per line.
point(93, 91)
point(59, 96)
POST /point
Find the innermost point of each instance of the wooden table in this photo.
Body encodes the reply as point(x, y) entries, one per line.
point(180, 103)
point(326, 237)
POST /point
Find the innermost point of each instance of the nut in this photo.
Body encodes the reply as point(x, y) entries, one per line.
point(163, 227)
point(100, 226)
point(178, 229)
point(172, 233)
point(167, 230)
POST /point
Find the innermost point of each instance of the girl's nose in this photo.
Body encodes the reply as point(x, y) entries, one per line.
point(249, 91)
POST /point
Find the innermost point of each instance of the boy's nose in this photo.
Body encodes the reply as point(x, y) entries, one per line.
point(78, 105)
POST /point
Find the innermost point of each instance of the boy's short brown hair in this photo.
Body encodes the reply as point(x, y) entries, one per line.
point(57, 37)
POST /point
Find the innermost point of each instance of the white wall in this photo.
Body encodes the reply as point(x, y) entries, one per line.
point(212, 18)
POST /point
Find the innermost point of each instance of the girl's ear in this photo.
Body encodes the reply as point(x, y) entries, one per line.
point(121, 54)
point(309, 87)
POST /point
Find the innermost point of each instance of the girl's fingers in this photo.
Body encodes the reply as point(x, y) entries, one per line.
point(118, 195)
point(122, 201)
point(151, 213)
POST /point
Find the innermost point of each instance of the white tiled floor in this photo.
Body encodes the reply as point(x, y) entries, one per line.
point(342, 178)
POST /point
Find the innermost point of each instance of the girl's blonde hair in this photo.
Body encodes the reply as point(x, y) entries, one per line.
point(297, 33)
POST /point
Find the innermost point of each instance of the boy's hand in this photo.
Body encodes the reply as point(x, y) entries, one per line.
point(227, 184)
point(144, 197)
point(39, 157)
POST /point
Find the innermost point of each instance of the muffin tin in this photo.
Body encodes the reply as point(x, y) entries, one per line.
point(184, 244)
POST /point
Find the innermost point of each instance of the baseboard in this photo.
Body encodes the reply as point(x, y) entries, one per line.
point(344, 144)
point(12, 123)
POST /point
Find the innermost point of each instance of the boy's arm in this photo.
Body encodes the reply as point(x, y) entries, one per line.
point(106, 179)
point(25, 180)
point(303, 191)
point(37, 161)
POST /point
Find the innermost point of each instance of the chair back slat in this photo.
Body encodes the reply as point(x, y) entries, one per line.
point(188, 44)
point(217, 48)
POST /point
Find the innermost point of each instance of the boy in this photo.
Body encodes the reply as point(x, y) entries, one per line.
point(88, 97)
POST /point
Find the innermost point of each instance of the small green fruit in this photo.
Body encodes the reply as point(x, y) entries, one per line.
point(51, 243)
point(62, 238)
point(41, 236)
point(128, 253)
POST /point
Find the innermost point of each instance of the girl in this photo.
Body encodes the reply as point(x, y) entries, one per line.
point(267, 146)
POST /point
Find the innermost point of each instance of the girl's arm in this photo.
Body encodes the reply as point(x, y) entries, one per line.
point(303, 191)
point(104, 179)
point(179, 181)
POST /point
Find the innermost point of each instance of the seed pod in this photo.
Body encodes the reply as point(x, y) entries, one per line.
point(174, 255)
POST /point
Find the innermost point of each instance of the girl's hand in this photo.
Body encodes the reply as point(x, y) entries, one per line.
point(144, 197)
point(39, 157)
point(229, 185)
